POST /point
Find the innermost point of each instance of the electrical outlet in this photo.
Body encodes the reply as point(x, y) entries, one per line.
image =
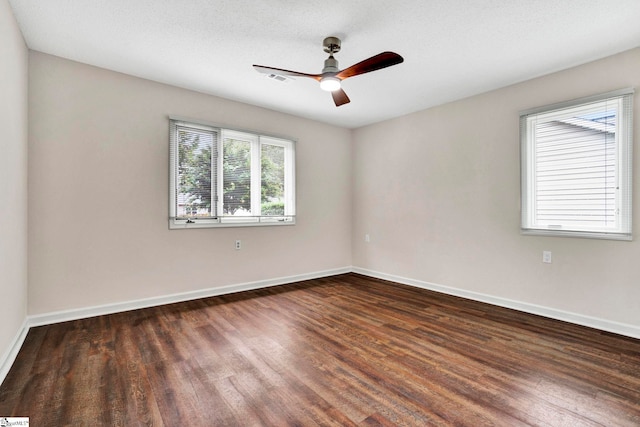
point(546, 257)
point(238, 245)
point(367, 238)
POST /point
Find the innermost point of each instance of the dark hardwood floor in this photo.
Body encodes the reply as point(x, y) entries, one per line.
point(341, 351)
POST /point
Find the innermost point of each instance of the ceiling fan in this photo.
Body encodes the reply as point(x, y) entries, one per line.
point(331, 75)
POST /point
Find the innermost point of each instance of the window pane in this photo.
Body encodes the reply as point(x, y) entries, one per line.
point(272, 188)
point(576, 169)
point(236, 177)
point(218, 177)
point(194, 173)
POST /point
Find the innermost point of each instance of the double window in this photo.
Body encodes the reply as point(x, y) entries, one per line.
point(224, 177)
point(576, 167)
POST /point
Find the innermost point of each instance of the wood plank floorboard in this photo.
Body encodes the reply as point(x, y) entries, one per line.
point(346, 350)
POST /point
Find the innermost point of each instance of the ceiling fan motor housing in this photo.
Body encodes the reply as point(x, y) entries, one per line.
point(330, 65)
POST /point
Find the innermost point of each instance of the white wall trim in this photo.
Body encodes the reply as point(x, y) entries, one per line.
point(83, 313)
point(552, 313)
point(12, 352)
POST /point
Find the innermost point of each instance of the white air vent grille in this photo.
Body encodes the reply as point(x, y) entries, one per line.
point(278, 77)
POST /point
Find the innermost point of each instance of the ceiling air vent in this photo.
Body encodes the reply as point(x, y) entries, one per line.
point(278, 77)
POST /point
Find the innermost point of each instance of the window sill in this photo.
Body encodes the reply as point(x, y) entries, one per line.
point(175, 224)
point(579, 234)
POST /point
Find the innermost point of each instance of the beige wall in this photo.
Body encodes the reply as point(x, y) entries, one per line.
point(438, 192)
point(13, 179)
point(98, 193)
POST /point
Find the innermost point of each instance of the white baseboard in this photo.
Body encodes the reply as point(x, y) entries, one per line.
point(83, 313)
point(12, 352)
point(552, 313)
point(62, 316)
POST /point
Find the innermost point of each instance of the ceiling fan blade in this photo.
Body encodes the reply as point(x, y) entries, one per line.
point(282, 72)
point(340, 97)
point(377, 62)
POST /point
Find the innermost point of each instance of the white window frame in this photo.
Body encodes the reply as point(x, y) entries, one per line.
point(621, 227)
point(256, 140)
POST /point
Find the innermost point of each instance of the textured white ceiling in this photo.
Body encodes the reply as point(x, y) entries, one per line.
point(452, 48)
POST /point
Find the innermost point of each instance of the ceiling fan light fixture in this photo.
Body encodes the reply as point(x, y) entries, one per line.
point(330, 83)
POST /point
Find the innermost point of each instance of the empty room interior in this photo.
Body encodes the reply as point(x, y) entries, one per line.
point(198, 229)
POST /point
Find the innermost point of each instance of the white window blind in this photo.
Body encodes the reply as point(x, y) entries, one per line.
point(576, 167)
point(239, 163)
point(196, 174)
